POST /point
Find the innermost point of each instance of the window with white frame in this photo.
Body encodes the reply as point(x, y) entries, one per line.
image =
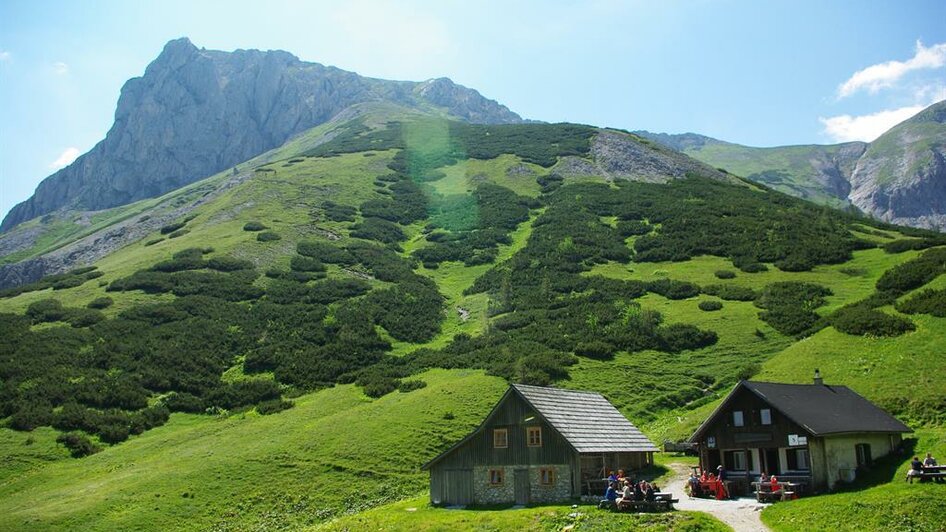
point(766, 415)
point(798, 459)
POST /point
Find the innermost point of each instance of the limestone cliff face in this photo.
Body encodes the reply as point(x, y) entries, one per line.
point(196, 112)
point(901, 178)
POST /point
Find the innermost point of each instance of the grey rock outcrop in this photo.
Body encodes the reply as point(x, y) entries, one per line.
point(901, 178)
point(196, 112)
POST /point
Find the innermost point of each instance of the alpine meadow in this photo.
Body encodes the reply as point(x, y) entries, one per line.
point(276, 291)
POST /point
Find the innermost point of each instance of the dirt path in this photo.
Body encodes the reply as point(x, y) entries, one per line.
point(741, 514)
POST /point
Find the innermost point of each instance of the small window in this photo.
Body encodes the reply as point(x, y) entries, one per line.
point(738, 461)
point(496, 477)
point(534, 436)
point(862, 450)
point(766, 416)
point(500, 438)
point(547, 476)
point(737, 420)
point(798, 459)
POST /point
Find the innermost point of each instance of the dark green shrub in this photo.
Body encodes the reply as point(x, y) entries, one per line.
point(339, 213)
point(267, 236)
point(725, 274)
point(245, 392)
point(411, 385)
point(68, 282)
point(680, 336)
point(753, 267)
point(153, 241)
point(254, 226)
point(79, 445)
point(633, 228)
point(860, 320)
point(184, 402)
point(31, 415)
point(710, 305)
point(100, 302)
point(83, 317)
point(114, 433)
point(46, 310)
point(673, 289)
point(379, 230)
point(229, 264)
point(914, 273)
point(170, 228)
point(179, 232)
point(273, 406)
point(595, 349)
point(931, 302)
point(730, 292)
point(325, 252)
point(305, 264)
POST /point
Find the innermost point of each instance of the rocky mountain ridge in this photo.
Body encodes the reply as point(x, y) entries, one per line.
point(900, 177)
point(196, 112)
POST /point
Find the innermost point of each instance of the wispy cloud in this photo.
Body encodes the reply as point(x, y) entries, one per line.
point(883, 75)
point(846, 128)
point(5, 55)
point(60, 68)
point(65, 158)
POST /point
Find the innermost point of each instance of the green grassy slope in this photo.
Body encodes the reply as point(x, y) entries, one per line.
point(337, 454)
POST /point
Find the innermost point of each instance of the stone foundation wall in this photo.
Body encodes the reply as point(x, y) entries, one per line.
point(560, 491)
point(485, 493)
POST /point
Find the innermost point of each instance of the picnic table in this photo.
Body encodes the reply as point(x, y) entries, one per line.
point(786, 491)
point(662, 501)
point(712, 487)
point(936, 472)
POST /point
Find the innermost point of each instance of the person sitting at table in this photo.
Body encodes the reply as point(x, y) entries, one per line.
point(610, 496)
point(621, 475)
point(649, 493)
point(612, 477)
point(763, 478)
point(929, 461)
point(627, 495)
point(774, 485)
point(694, 486)
point(916, 469)
point(703, 477)
point(639, 491)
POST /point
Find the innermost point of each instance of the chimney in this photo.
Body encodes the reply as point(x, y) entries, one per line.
point(818, 379)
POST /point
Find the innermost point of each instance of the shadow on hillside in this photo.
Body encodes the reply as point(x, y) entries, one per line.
point(883, 470)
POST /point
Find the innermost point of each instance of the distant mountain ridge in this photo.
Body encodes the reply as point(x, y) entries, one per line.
point(899, 177)
point(196, 112)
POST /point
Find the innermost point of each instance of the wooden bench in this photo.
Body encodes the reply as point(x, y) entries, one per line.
point(662, 504)
point(765, 495)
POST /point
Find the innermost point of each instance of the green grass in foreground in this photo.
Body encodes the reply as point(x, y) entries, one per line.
point(417, 515)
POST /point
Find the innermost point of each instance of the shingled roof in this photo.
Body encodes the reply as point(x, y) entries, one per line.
point(586, 420)
point(821, 409)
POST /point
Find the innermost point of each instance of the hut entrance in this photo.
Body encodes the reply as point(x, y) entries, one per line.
point(522, 487)
point(458, 486)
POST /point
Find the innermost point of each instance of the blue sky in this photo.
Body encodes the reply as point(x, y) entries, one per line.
point(761, 73)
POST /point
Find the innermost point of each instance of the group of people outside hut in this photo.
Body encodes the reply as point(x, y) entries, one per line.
point(707, 484)
point(917, 467)
point(623, 491)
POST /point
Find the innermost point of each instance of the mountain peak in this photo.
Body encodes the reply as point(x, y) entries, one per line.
point(196, 112)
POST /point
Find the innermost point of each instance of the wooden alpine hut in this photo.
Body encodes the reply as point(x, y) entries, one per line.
point(538, 444)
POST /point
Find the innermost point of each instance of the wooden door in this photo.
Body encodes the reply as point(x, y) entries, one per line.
point(458, 487)
point(522, 488)
point(770, 461)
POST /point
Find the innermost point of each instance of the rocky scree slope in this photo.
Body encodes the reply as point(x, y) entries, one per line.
point(196, 112)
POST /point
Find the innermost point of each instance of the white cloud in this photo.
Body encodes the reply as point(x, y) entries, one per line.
point(883, 75)
point(5, 55)
point(845, 128)
point(60, 68)
point(65, 158)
